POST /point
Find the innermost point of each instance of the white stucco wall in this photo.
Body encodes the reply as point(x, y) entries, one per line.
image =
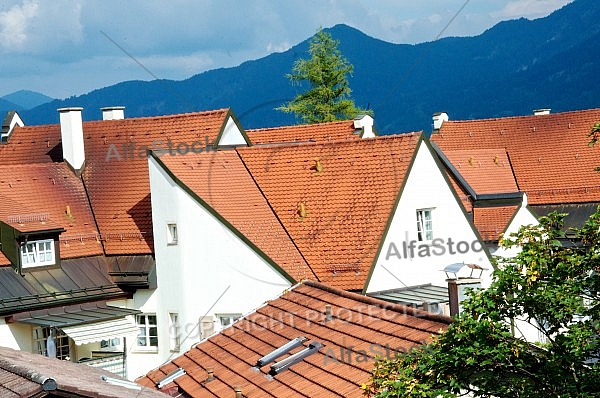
point(426, 188)
point(231, 134)
point(209, 271)
point(16, 335)
point(523, 217)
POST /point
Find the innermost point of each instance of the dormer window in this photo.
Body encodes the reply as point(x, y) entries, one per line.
point(37, 253)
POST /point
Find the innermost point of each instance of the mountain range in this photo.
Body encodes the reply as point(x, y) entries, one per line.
point(510, 69)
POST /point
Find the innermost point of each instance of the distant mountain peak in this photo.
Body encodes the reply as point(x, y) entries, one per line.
point(27, 99)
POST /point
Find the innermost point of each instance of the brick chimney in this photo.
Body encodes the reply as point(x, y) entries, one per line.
point(71, 132)
point(113, 113)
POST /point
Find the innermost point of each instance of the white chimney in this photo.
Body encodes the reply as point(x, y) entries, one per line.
point(71, 133)
point(113, 113)
point(438, 119)
point(364, 123)
point(540, 112)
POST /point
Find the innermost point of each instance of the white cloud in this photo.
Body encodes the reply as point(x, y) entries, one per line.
point(528, 8)
point(279, 47)
point(15, 23)
point(35, 27)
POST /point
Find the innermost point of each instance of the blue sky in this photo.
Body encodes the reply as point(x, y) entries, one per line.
point(60, 47)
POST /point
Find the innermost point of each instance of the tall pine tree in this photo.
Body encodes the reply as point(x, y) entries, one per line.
point(328, 97)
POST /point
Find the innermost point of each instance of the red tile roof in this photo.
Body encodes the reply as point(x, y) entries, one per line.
point(321, 132)
point(334, 199)
point(360, 328)
point(119, 191)
point(43, 196)
point(221, 180)
point(485, 170)
point(551, 159)
point(493, 221)
point(24, 375)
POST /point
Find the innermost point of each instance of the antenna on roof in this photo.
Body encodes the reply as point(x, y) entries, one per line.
point(282, 365)
point(284, 349)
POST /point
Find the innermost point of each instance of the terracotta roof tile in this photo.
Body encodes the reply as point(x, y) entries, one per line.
point(221, 180)
point(4, 262)
point(551, 159)
point(321, 132)
point(360, 328)
point(485, 170)
point(119, 191)
point(334, 199)
point(43, 196)
point(493, 221)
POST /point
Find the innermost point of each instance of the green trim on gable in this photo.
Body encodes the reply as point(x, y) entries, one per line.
point(231, 114)
point(459, 202)
point(223, 220)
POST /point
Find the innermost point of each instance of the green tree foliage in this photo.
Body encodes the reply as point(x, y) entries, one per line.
point(552, 284)
point(328, 97)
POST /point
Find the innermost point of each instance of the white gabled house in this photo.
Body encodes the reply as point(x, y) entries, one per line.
point(427, 231)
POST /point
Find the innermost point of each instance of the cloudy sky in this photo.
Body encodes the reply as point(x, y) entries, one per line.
point(67, 47)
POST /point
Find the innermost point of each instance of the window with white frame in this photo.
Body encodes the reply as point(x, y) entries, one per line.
point(37, 253)
point(148, 331)
point(60, 339)
point(228, 319)
point(111, 345)
point(174, 332)
point(171, 234)
point(424, 225)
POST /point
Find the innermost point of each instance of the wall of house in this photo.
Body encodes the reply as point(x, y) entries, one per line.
point(452, 232)
point(16, 335)
point(523, 217)
point(209, 271)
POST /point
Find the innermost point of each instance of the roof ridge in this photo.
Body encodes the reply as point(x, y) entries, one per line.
point(308, 125)
point(377, 302)
point(550, 115)
point(340, 141)
point(176, 115)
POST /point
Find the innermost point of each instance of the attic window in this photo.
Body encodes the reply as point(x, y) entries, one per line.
point(37, 253)
point(171, 234)
point(424, 225)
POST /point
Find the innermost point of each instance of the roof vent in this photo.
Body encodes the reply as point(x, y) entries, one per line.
point(113, 113)
point(170, 377)
point(284, 349)
point(238, 392)
point(318, 166)
point(301, 210)
point(282, 365)
point(540, 112)
point(211, 374)
point(328, 314)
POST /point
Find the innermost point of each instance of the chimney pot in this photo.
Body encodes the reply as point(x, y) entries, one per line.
point(438, 119)
point(364, 123)
point(71, 133)
point(113, 113)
